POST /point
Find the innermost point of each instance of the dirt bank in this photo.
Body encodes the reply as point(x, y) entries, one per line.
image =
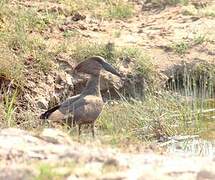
point(53, 154)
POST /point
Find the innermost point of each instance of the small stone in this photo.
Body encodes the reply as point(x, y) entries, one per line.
point(55, 136)
point(111, 162)
point(62, 28)
point(31, 84)
point(82, 27)
point(140, 31)
point(205, 175)
point(50, 79)
point(77, 16)
point(42, 103)
point(17, 173)
point(63, 171)
point(114, 176)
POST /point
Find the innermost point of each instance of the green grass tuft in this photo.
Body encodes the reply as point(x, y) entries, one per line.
point(83, 50)
point(119, 9)
point(11, 67)
point(180, 48)
point(170, 2)
point(199, 39)
point(10, 108)
point(207, 11)
point(47, 172)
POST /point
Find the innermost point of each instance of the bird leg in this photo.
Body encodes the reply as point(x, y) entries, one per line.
point(79, 129)
point(92, 129)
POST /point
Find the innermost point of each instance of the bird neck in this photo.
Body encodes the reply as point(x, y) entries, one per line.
point(93, 86)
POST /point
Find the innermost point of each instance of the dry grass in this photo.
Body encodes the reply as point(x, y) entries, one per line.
point(159, 117)
point(170, 2)
point(143, 65)
point(18, 46)
point(117, 9)
point(11, 67)
point(207, 11)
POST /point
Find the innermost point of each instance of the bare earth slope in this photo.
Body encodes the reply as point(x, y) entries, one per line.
point(169, 36)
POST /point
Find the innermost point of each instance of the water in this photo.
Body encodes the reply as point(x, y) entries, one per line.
point(196, 147)
point(204, 143)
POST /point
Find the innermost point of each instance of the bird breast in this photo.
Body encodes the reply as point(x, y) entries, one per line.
point(88, 109)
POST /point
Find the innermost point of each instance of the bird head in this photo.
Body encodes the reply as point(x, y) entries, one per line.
point(94, 65)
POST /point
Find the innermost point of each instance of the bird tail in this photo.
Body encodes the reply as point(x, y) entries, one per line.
point(46, 114)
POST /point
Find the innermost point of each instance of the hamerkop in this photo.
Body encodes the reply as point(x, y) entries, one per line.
point(83, 108)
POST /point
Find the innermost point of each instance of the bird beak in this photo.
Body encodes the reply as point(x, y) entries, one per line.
point(110, 69)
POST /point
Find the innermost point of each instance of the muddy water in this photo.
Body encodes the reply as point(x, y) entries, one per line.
point(204, 144)
point(193, 147)
point(207, 114)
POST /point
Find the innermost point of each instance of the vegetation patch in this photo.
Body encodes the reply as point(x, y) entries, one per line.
point(23, 52)
point(116, 9)
point(158, 117)
point(142, 60)
point(169, 2)
point(199, 39)
point(10, 67)
point(115, 55)
point(180, 48)
point(76, 5)
point(83, 50)
point(207, 11)
point(196, 79)
point(174, 2)
point(55, 170)
point(47, 171)
point(70, 33)
point(119, 9)
point(18, 46)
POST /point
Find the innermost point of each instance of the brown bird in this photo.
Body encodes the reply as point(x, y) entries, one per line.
point(83, 108)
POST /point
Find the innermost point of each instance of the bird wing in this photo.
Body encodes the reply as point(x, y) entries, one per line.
point(67, 106)
point(59, 111)
point(67, 109)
